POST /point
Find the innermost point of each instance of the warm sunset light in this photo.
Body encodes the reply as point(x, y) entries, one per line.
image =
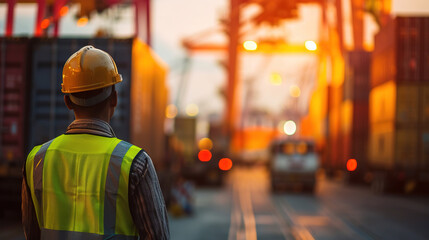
point(82, 21)
point(351, 165)
point(225, 164)
point(250, 45)
point(204, 155)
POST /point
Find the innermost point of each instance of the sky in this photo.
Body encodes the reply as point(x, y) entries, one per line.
point(175, 20)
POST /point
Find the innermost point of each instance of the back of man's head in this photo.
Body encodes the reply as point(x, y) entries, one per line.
point(89, 77)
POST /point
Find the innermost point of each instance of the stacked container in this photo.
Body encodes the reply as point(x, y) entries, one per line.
point(399, 127)
point(354, 111)
point(14, 83)
point(13, 101)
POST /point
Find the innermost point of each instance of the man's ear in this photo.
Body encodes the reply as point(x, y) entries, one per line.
point(68, 102)
point(114, 99)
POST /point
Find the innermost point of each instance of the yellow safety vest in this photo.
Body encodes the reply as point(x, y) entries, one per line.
point(79, 187)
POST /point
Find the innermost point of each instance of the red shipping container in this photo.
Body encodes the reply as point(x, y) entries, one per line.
point(409, 32)
point(13, 100)
point(401, 52)
point(383, 65)
point(425, 50)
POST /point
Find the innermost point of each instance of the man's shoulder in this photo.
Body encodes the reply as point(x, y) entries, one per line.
point(140, 153)
point(128, 144)
point(42, 146)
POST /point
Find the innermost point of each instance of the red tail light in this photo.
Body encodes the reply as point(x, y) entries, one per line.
point(351, 165)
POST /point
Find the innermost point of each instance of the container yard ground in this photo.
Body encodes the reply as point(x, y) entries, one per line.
point(246, 207)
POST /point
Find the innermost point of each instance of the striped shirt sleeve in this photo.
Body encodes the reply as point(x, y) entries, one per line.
point(147, 204)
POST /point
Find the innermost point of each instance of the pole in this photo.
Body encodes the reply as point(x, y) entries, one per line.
point(339, 7)
point(10, 16)
point(142, 20)
point(41, 4)
point(231, 108)
point(57, 8)
point(357, 20)
point(148, 23)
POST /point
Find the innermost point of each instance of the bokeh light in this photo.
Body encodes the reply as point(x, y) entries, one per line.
point(82, 21)
point(275, 79)
point(225, 164)
point(45, 23)
point(289, 128)
point(351, 165)
point(192, 110)
point(204, 155)
point(311, 45)
point(250, 45)
point(64, 10)
point(295, 91)
point(205, 143)
point(171, 111)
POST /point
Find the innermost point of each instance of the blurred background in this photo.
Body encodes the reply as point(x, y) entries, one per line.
point(265, 119)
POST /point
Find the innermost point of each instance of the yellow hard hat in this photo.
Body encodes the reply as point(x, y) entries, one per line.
point(89, 69)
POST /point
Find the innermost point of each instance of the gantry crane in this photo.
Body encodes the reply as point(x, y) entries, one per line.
point(44, 18)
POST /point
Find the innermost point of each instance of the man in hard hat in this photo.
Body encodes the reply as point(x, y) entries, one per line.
point(86, 183)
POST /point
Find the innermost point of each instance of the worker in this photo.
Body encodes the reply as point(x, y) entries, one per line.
point(86, 183)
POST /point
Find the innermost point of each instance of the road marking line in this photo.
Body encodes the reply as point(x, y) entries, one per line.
point(235, 215)
point(248, 214)
point(298, 231)
point(284, 224)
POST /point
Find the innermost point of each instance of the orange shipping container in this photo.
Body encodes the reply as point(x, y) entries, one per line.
point(382, 103)
point(148, 101)
point(381, 145)
point(397, 120)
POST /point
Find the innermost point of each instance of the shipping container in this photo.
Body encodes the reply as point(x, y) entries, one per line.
point(401, 52)
point(13, 101)
point(398, 134)
point(383, 63)
point(14, 82)
point(424, 106)
point(382, 100)
point(139, 115)
point(425, 50)
point(407, 104)
point(148, 101)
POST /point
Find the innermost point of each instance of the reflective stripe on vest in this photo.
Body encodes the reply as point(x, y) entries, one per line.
point(72, 201)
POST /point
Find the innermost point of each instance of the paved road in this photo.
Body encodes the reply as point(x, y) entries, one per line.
point(246, 209)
